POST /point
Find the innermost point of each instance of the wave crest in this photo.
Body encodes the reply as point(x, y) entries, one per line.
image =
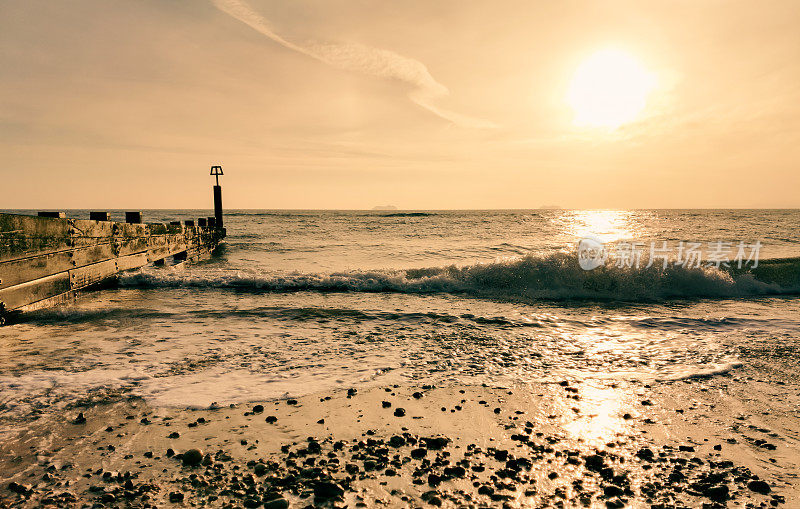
point(551, 277)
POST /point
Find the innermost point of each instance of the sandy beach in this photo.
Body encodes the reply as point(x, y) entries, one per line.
point(730, 441)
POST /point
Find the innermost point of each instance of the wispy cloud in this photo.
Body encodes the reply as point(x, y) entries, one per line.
point(362, 59)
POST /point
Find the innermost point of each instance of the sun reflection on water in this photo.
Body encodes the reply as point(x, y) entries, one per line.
point(601, 419)
point(607, 225)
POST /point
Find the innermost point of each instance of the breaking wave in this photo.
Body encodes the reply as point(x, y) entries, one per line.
point(551, 277)
point(408, 214)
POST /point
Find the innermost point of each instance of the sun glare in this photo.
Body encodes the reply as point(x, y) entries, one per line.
point(609, 89)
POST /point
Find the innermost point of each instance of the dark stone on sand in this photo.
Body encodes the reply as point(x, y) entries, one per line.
point(501, 455)
point(175, 497)
point(327, 490)
point(174, 434)
point(485, 490)
point(80, 419)
point(497, 410)
point(352, 392)
point(518, 464)
point(252, 503)
point(260, 469)
point(386, 404)
point(645, 454)
point(417, 395)
point(321, 421)
point(759, 487)
point(271, 419)
point(276, 503)
point(399, 412)
point(455, 471)
point(258, 409)
point(594, 462)
point(686, 448)
point(192, 457)
point(291, 401)
point(418, 453)
point(718, 493)
point(20, 489)
point(435, 443)
point(397, 441)
point(170, 453)
point(207, 460)
point(431, 497)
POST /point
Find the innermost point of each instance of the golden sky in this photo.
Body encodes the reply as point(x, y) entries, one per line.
point(417, 103)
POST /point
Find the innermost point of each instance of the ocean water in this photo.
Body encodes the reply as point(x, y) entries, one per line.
point(297, 302)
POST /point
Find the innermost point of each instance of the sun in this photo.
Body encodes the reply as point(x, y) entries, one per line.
point(609, 89)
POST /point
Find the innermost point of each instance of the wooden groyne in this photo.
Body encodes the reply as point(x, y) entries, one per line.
point(47, 259)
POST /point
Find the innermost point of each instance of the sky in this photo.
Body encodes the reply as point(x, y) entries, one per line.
point(349, 104)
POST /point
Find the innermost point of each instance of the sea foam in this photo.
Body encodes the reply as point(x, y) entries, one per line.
point(551, 277)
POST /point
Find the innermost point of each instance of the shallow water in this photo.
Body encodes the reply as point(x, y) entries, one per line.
point(299, 302)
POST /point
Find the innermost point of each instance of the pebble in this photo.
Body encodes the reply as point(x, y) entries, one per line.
point(192, 457)
point(276, 503)
point(327, 490)
point(759, 487)
point(399, 412)
point(419, 453)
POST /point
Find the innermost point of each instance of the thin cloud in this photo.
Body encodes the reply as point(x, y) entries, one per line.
point(362, 59)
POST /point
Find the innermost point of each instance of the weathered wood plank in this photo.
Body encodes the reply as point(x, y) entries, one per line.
point(19, 271)
point(97, 272)
point(34, 291)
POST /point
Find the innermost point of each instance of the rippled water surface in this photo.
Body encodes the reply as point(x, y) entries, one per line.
point(297, 302)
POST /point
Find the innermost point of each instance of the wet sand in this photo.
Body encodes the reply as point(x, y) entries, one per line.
point(730, 441)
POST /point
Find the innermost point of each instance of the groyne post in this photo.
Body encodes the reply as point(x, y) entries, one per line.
point(134, 217)
point(217, 171)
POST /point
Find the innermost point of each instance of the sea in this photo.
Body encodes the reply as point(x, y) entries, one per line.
point(303, 301)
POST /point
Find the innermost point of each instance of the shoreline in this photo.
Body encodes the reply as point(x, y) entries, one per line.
point(593, 444)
